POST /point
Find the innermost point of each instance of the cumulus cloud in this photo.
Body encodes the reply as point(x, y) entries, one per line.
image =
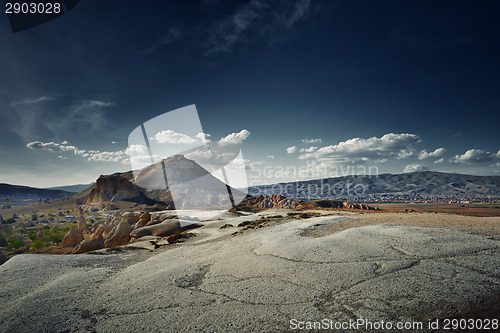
point(51, 146)
point(291, 150)
point(312, 140)
point(438, 153)
point(414, 168)
point(235, 138)
point(473, 156)
point(308, 150)
point(91, 155)
point(271, 157)
point(169, 136)
point(203, 137)
point(358, 150)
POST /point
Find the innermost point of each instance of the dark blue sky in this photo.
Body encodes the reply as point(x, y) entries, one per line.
point(397, 85)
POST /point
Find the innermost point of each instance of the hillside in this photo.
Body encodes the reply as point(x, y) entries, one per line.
point(17, 194)
point(71, 188)
point(408, 185)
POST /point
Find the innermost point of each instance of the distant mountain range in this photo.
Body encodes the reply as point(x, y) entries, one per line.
point(18, 192)
point(410, 186)
point(209, 191)
point(71, 188)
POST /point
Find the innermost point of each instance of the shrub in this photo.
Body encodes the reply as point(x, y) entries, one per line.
point(32, 235)
point(38, 244)
point(3, 241)
point(15, 243)
point(56, 239)
point(10, 220)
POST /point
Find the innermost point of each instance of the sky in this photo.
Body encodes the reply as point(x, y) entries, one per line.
point(310, 89)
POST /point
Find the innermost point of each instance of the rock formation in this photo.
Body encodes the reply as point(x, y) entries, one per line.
point(81, 225)
point(119, 235)
point(273, 201)
point(115, 187)
point(87, 245)
point(72, 238)
point(165, 228)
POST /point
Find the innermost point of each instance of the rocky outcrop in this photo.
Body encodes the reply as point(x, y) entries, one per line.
point(81, 225)
point(119, 235)
point(114, 188)
point(72, 238)
point(40, 234)
point(272, 201)
point(165, 228)
point(88, 245)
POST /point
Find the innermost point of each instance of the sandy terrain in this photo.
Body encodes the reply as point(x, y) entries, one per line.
point(393, 267)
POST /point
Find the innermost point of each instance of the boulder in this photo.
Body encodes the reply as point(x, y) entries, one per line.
point(165, 228)
point(60, 213)
point(86, 235)
point(15, 216)
point(72, 238)
point(119, 235)
point(153, 222)
point(81, 225)
point(40, 234)
point(88, 245)
point(99, 232)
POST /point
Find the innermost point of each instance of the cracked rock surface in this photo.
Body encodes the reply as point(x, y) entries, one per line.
point(255, 281)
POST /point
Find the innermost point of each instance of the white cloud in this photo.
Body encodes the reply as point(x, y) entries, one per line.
point(291, 150)
point(32, 100)
point(51, 146)
point(203, 137)
point(312, 140)
point(271, 157)
point(91, 155)
point(358, 150)
point(414, 168)
point(473, 156)
point(441, 160)
point(308, 150)
point(108, 156)
point(169, 136)
point(235, 138)
point(439, 152)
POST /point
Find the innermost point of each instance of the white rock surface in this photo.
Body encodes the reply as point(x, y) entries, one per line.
point(255, 281)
